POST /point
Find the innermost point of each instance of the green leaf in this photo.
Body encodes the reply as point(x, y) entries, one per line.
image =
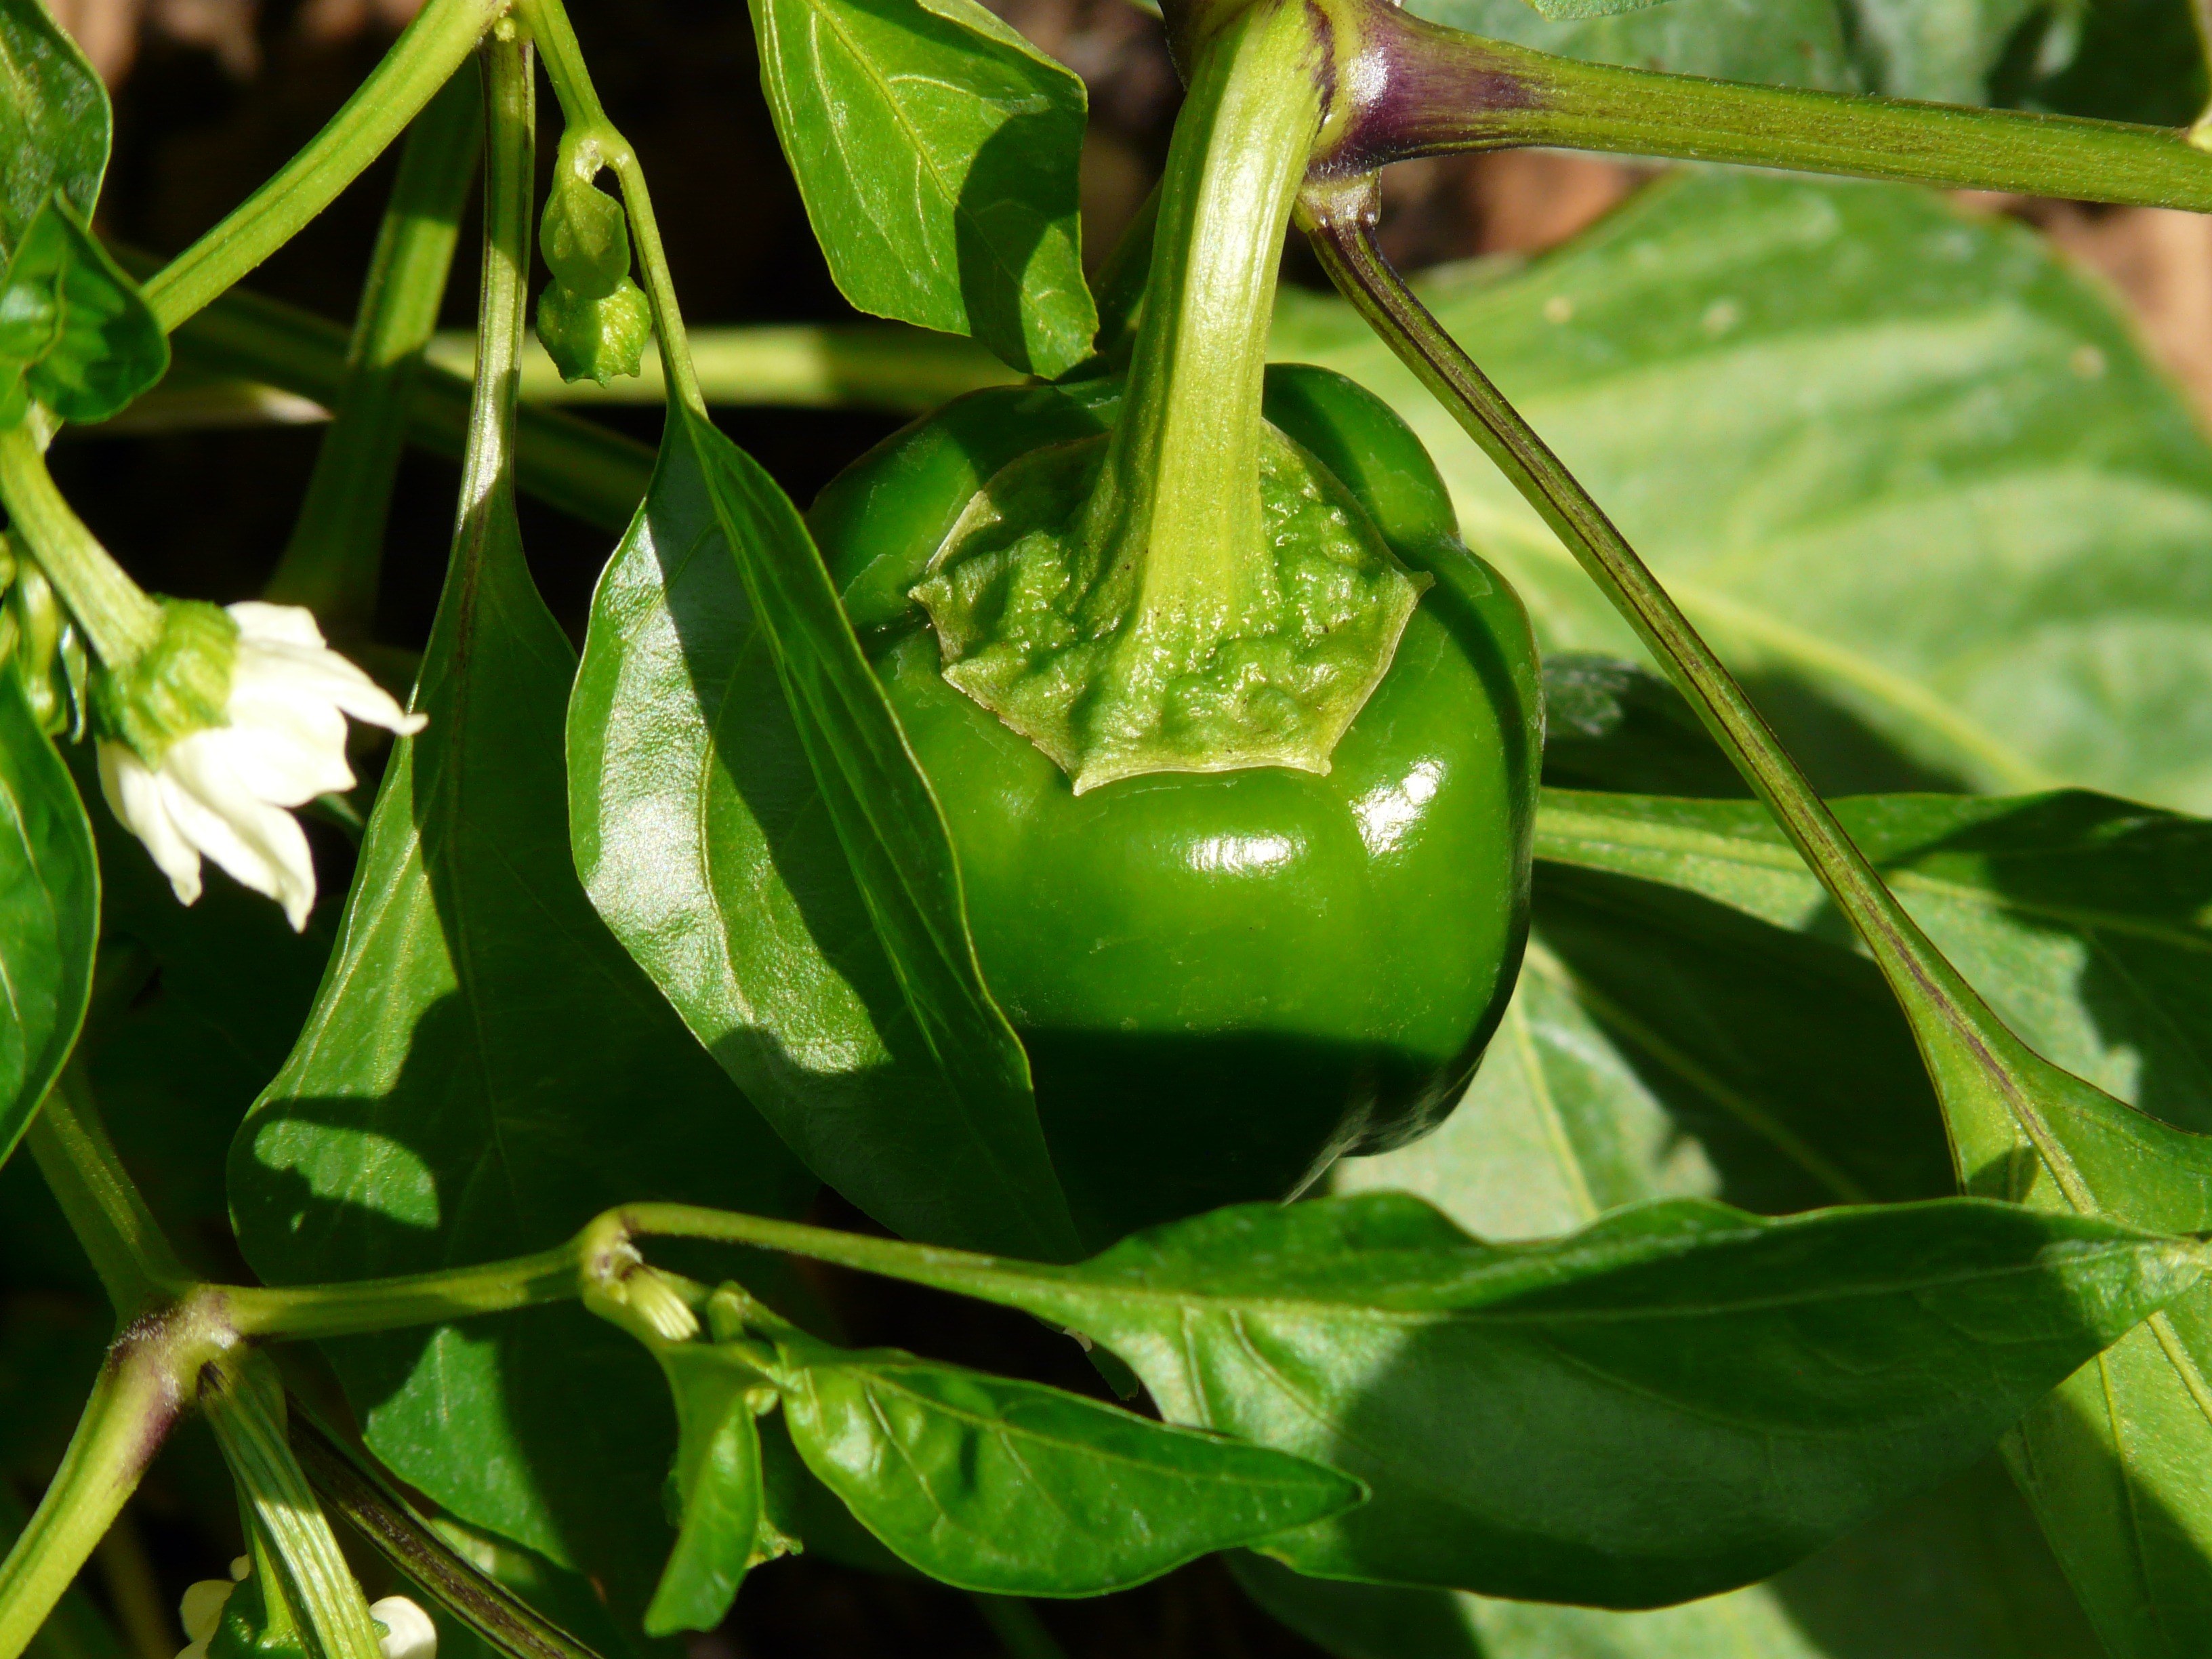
point(1661, 1045)
point(2081, 919)
point(75, 332)
point(1960, 1573)
point(1899, 464)
point(48, 912)
point(1678, 1400)
point(2078, 918)
point(936, 151)
point(1593, 1097)
point(724, 1531)
point(1013, 1488)
point(749, 821)
point(1795, 43)
point(55, 123)
point(484, 1069)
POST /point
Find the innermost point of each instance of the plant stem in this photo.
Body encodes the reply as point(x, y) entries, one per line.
point(137, 1266)
point(334, 559)
point(548, 25)
point(511, 128)
point(1966, 1046)
point(598, 475)
point(1178, 503)
point(117, 615)
point(382, 1304)
point(1428, 90)
point(391, 1527)
point(245, 1406)
point(424, 58)
point(75, 1629)
point(133, 1403)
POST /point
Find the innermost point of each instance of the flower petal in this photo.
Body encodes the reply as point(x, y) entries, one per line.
point(261, 845)
point(282, 750)
point(286, 624)
point(136, 796)
point(408, 1632)
point(320, 673)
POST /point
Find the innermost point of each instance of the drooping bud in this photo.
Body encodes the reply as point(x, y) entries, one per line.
point(592, 319)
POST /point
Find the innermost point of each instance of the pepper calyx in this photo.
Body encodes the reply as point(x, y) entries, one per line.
point(1032, 624)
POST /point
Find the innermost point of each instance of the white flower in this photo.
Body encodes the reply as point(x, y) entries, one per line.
point(408, 1632)
point(201, 1612)
point(226, 790)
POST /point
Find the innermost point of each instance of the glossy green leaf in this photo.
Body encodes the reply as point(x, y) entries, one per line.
point(1781, 42)
point(55, 123)
point(749, 823)
point(1896, 461)
point(48, 912)
point(483, 1070)
point(75, 332)
point(1678, 1400)
point(723, 1531)
point(2078, 919)
point(936, 151)
point(1010, 1487)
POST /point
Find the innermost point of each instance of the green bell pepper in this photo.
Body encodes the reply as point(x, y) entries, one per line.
point(1225, 980)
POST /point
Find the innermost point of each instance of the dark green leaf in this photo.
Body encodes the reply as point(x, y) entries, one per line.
point(1898, 463)
point(749, 821)
point(2078, 918)
point(75, 332)
point(55, 124)
point(1660, 1045)
point(1016, 1489)
point(724, 1531)
point(483, 1070)
point(48, 912)
point(2113, 60)
point(1782, 42)
point(1591, 1098)
point(1678, 1400)
point(1960, 1573)
point(936, 150)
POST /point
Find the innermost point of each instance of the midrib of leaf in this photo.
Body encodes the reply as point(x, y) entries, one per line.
point(1737, 1104)
point(915, 137)
point(1536, 957)
point(1567, 826)
point(1791, 644)
point(1230, 1306)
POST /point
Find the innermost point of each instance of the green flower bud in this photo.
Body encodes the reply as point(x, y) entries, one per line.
point(584, 234)
point(595, 339)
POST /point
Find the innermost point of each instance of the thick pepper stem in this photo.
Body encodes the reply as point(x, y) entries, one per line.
point(1177, 515)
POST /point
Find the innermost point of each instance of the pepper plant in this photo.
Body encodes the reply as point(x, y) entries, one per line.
point(1096, 841)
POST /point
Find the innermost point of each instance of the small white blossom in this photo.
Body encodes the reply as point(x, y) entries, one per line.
point(201, 1611)
point(408, 1632)
point(226, 792)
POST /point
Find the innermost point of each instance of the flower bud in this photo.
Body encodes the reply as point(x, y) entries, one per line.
point(595, 339)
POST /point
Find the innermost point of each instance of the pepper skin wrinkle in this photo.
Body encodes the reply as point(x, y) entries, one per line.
point(1225, 980)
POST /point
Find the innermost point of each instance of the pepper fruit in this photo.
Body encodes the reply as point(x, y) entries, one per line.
point(1238, 743)
point(1225, 978)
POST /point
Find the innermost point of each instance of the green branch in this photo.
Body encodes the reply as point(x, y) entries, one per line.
point(333, 560)
point(355, 1491)
point(1436, 90)
point(137, 1264)
point(424, 58)
point(245, 1406)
